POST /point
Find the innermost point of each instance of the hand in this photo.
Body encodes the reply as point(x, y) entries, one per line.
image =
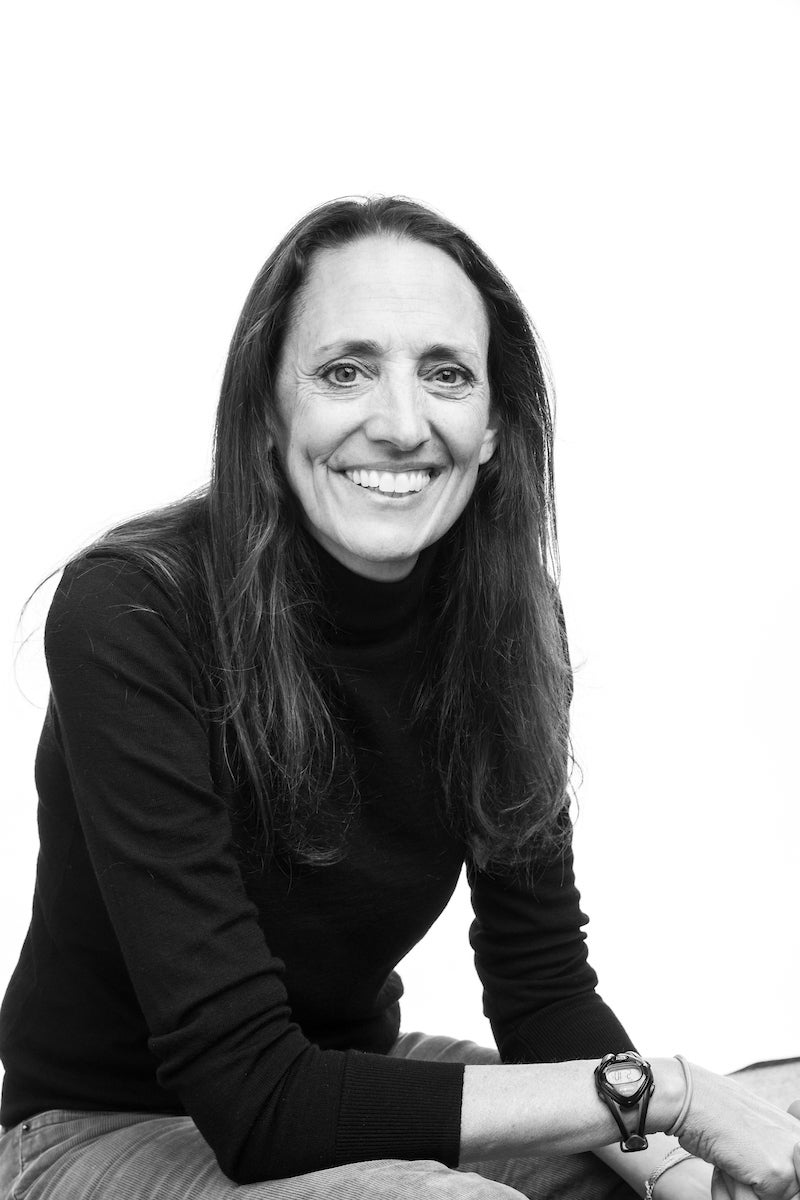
point(725, 1188)
point(753, 1144)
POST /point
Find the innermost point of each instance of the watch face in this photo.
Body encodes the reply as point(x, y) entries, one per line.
point(625, 1079)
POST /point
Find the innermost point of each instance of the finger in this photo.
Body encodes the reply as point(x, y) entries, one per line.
point(743, 1191)
point(719, 1186)
point(796, 1157)
point(794, 1109)
point(737, 1190)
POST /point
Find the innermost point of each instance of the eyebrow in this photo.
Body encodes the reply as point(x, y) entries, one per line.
point(372, 349)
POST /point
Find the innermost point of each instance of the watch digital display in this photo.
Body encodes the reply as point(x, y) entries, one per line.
point(623, 1075)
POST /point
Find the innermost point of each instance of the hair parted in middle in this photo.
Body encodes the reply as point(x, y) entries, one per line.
point(495, 695)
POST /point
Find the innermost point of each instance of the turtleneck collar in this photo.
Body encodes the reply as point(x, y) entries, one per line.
point(357, 609)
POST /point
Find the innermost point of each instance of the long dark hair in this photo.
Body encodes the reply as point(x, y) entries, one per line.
point(495, 696)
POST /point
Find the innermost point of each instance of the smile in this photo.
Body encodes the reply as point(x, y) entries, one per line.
point(402, 484)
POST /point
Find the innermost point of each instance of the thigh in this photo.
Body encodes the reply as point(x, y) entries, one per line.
point(62, 1155)
point(551, 1177)
point(139, 1156)
point(536, 1176)
point(777, 1081)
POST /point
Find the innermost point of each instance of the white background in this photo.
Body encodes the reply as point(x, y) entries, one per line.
point(633, 168)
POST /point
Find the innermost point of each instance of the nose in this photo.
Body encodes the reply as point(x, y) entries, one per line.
point(398, 413)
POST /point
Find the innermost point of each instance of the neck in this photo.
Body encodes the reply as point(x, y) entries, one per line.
point(363, 608)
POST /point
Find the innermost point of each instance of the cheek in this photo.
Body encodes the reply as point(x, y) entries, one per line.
point(309, 428)
point(466, 439)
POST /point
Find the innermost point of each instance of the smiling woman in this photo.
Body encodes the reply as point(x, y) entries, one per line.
point(284, 713)
point(402, 410)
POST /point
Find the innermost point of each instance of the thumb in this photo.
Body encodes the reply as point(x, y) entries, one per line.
point(794, 1109)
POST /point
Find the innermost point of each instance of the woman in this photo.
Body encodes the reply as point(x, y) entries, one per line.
point(283, 714)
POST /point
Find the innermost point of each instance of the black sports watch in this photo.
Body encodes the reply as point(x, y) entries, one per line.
point(625, 1083)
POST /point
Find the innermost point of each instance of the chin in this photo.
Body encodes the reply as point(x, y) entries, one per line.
point(376, 562)
point(395, 560)
point(376, 545)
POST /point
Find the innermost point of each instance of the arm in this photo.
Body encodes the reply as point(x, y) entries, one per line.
point(553, 1108)
point(539, 989)
point(539, 996)
point(549, 1108)
point(689, 1179)
point(127, 705)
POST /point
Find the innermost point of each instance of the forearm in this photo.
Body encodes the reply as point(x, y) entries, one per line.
point(688, 1178)
point(551, 1108)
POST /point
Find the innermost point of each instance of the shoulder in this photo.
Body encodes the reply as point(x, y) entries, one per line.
point(101, 576)
point(105, 583)
point(104, 596)
point(148, 564)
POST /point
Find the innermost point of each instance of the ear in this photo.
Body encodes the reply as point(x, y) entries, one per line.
point(488, 444)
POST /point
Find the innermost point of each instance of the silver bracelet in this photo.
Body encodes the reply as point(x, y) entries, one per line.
point(670, 1160)
point(687, 1097)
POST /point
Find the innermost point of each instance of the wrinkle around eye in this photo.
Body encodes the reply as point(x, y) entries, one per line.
point(464, 387)
point(467, 379)
point(326, 374)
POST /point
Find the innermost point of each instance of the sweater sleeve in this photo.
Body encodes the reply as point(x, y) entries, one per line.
point(530, 954)
point(125, 689)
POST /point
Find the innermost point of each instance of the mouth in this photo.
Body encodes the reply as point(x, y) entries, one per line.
point(387, 483)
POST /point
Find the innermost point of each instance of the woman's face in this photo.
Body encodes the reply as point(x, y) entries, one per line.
point(383, 400)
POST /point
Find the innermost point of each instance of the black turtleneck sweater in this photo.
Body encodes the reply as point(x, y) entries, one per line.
point(164, 971)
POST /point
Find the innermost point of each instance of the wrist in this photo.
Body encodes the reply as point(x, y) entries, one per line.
point(670, 1160)
point(689, 1179)
point(668, 1094)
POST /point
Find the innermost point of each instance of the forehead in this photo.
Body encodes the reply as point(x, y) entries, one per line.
point(385, 288)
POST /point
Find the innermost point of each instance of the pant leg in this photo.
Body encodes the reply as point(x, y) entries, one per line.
point(777, 1080)
point(537, 1177)
point(139, 1156)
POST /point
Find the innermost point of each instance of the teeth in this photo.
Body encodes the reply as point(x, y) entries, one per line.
point(389, 484)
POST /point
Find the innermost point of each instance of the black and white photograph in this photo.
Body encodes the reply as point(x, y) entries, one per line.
point(400, 614)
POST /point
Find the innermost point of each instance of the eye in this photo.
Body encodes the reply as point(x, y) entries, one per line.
point(342, 374)
point(453, 376)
